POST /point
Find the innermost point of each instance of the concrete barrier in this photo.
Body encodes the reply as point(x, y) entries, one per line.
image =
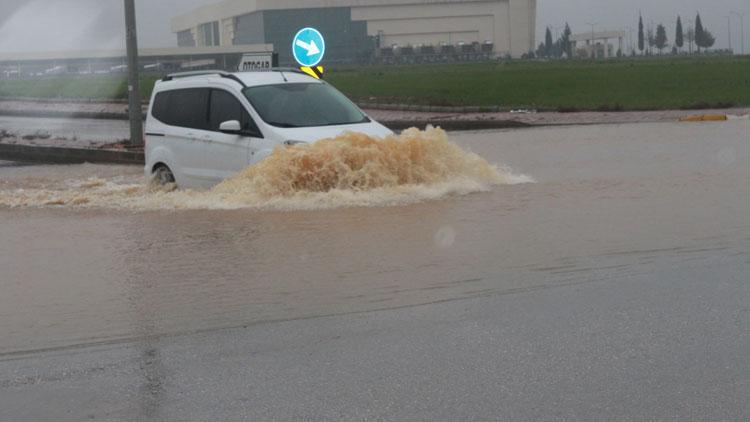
point(55, 155)
point(56, 114)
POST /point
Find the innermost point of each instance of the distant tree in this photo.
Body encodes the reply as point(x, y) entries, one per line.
point(679, 40)
point(674, 50)
point(651, 38)
point(641, 44)
point(690, 36)
point(698, 32)
point(540, 50)
point(661, 38)
point(703, 37)
point(548, 43)
point(567, 45)
point(557, 49)
point(708, 40)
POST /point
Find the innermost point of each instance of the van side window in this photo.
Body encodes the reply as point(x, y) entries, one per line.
point(186, 108)
point(224, 107)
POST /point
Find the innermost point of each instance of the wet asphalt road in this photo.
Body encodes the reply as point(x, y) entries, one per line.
point(668, 344)
point(615, 288)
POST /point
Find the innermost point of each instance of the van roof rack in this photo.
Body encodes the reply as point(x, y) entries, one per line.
point(221, 73)
point(228, 75)
point(281, 69)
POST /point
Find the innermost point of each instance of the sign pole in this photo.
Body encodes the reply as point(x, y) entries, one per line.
point(134, 93)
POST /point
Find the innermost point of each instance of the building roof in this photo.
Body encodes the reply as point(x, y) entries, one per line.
point(231, 8)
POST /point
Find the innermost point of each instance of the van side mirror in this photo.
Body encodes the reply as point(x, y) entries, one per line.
point(231, 127)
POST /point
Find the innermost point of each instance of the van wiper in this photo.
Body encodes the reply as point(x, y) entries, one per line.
point(279, 124)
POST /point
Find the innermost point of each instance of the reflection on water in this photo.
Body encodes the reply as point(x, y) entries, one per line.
point(609, 202)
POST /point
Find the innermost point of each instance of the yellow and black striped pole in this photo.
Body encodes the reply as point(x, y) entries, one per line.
point(314, 71)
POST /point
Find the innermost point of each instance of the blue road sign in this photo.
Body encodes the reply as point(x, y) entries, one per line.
point(308, 47)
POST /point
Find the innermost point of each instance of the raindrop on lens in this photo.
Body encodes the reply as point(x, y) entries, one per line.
point(445, 237)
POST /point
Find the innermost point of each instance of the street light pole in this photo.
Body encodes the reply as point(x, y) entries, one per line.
point(134, 93)
point(729, 26)
point(557, 30)
point(593, 47)
point(742, 28)
point(651, 30)
point(630, 38)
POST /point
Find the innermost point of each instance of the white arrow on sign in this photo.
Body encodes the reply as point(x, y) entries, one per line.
point(312, 48)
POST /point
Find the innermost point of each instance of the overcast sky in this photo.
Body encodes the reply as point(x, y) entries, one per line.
point(51, 25)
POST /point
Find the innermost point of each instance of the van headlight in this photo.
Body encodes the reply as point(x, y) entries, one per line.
point(290, 143)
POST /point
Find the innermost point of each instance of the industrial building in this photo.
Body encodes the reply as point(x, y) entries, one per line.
point(363, 30)
point(597, 45)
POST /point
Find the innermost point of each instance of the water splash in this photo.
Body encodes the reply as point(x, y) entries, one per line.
point(350, 170)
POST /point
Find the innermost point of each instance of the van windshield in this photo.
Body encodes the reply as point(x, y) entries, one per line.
point(303, 105)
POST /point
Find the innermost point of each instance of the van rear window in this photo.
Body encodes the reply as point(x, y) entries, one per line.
point(182, 107)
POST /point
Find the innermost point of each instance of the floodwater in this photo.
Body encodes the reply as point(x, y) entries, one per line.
point(606, 201)
point(74, 131)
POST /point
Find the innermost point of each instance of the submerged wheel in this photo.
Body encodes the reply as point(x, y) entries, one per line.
point(163, 175)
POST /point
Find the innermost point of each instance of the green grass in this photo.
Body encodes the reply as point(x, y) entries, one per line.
point(589, 85)
point(99, 87)
point(563, 85)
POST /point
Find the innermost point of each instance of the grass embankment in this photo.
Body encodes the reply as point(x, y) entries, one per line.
point(640, 84)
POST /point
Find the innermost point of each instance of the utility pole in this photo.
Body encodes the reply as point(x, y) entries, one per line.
point(134, 93)
point(729, 30)
point(742, 28)
point(557, 30)
point(630, 39)
point(651, 30)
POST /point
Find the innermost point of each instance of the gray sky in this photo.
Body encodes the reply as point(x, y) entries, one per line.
point(50, 25)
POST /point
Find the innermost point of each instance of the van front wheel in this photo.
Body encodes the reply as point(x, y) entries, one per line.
point(163, 175)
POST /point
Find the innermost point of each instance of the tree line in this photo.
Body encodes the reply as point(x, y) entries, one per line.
point(698, 35)
point(648, 40)
point(563, 46)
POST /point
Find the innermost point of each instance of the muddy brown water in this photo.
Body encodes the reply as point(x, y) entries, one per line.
point(607, 201)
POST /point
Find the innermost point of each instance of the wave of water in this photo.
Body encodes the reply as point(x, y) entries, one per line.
point(350, 170)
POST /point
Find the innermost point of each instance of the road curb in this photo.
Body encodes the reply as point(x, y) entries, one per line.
point(477, 124)
point(451, 125)
point(57, 114)
point(432, 108)
point(57, 155)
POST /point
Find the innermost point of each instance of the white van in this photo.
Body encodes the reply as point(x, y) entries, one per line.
point(203, 127)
